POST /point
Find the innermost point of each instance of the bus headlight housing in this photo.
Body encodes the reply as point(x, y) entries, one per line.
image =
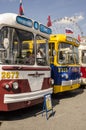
point(65, 76)
point(81, 74)
point(15, 85)
point(52, 81)
point(7, 86)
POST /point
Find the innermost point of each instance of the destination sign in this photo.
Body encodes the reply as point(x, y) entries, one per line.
point(33, 24)
point(24, 21)
point(45, 29)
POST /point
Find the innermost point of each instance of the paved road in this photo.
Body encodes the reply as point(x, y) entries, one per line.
point(70, 114)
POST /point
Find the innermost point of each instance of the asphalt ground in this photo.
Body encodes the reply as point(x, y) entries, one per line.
point(69, 113)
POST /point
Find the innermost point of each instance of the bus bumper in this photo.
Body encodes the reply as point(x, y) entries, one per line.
point(13, 98)
point(67, 86)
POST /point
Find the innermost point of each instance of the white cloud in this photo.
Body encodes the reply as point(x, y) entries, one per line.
point(77, 18)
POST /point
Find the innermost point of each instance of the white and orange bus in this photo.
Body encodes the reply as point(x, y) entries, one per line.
point(23, 80)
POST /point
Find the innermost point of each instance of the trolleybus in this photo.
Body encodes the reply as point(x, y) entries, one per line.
point(24, 77)
point(64, 60)
point(82, 61)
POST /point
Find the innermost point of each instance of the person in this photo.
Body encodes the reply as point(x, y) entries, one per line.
point(40, 56)
point(29, 59)
point(61, 57)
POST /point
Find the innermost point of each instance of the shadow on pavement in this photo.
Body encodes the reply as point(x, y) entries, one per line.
point(21, 113)
point(68, 94)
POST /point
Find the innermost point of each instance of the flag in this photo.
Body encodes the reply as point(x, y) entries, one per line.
point(68, 31)
point(79, 38)
point(21, 10)
point(49, 23)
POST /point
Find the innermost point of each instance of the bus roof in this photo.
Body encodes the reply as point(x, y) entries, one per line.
point(64, 38)
point(22, 22)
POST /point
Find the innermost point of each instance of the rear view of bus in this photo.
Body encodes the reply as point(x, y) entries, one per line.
point(24, 74)
point(64, 60)
point(82, 61)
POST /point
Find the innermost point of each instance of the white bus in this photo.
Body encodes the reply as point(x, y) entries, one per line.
point(23, 80)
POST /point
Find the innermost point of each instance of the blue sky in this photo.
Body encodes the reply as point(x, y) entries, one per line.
point(40, 9)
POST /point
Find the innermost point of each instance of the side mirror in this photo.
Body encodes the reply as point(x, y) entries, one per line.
point(6, 43)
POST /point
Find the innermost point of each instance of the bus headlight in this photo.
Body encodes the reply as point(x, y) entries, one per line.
point(81, 74)
point(7, 86)
point(65, 76)
point(52, 81)
point(15, 85)
point(80, 80)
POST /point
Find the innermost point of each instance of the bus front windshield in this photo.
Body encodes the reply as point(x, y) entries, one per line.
point(21, 47)
point(67, 54)
point(16, 46)
point(83, 56)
